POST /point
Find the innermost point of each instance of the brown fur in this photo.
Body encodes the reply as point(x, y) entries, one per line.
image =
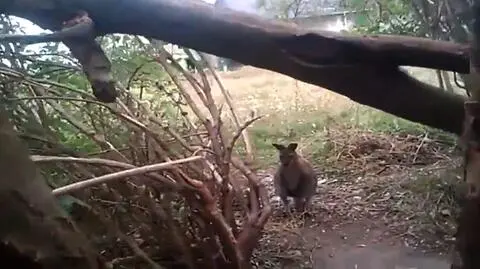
point(295, 178)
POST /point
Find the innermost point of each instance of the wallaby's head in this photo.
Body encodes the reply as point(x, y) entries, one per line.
point(286, 154)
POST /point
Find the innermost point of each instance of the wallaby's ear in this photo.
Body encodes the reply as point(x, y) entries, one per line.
point(278, 146)
point(292, 146)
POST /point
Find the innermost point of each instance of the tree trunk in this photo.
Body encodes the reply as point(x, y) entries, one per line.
point(468, 234)
point(34, 230)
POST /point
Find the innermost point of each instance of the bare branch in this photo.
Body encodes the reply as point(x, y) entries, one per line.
point(98, 161)
point(239, 133)
point(70, 99)
point(119, 175)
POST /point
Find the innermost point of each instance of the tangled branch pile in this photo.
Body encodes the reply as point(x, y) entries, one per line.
point(410, 182)
point(154, 181)
point(368, 152)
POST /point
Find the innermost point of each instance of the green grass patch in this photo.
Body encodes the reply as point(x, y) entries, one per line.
point(310, 130)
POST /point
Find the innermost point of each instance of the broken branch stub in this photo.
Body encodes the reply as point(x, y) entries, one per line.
point(79, 34)
point(96, 67)
point(95, 63)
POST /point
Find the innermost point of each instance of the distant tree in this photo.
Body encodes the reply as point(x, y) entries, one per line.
point(440, 20)
point(287, 9)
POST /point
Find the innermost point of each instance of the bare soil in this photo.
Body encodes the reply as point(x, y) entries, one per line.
point(401, 218)
point(360, 245)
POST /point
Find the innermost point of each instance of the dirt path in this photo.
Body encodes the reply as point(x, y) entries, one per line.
point(360, 245)
point(349, 231)
point(364, 248)
point(378, 257)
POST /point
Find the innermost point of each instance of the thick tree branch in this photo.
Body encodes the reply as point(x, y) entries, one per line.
point(362, 68)
point(80, 31)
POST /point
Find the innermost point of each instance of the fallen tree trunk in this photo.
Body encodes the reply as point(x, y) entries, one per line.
point(364, 69)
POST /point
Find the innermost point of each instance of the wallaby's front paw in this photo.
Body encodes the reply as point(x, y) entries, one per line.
point(307, 214)
point(286, 211)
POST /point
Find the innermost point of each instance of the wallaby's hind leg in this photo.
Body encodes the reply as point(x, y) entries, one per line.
point(284, 198)
point(303, 205)
point(299, 204)
point(281, 191)
point(308, 203)
point(286, 208)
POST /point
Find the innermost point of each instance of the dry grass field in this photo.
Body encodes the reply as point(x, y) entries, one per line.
point(304, 113)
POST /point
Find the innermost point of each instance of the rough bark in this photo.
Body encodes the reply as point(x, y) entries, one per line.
point(468, 236)
point(467, 243)
point(34, 231)
point(361, 68)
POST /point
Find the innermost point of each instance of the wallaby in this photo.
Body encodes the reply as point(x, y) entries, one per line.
point(295, 178)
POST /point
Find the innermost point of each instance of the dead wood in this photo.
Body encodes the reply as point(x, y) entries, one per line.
point(362, 68)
